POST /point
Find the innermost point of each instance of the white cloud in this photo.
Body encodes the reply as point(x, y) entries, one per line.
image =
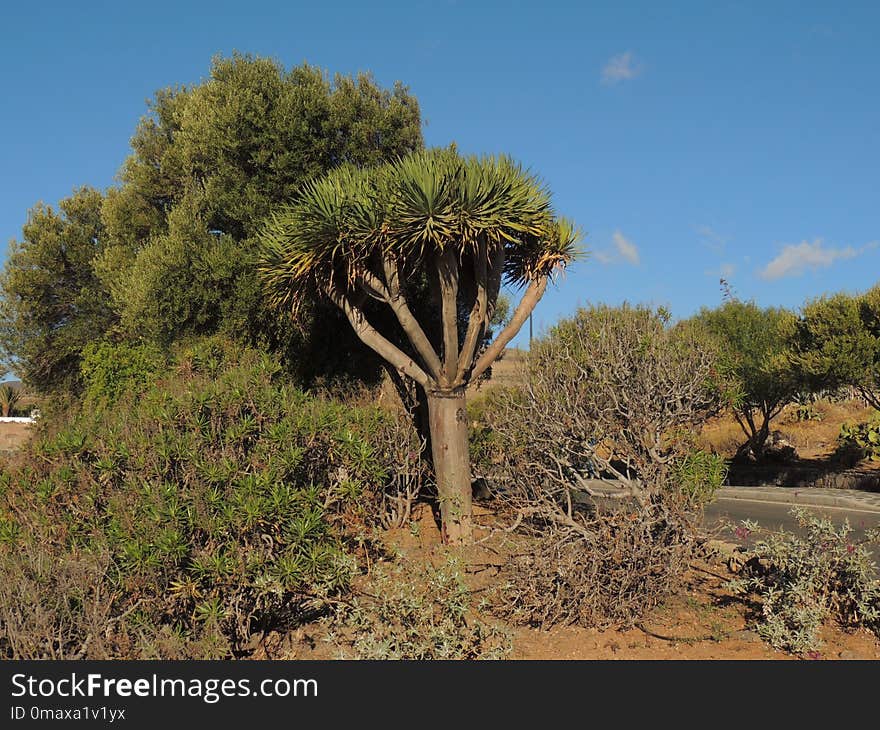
point(795, 259)
point(626, 248)
point(712, 239)
point(725, 271)
point(621, 67)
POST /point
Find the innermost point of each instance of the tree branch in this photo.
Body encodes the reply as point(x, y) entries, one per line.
point(373, 285)
point(408, 323)
point(870, 396)
point(747, 412)
point(447, 270)
point(375, 341)
point(741, 424)
point(478, 317)
point(494, 273)
point(525, 307)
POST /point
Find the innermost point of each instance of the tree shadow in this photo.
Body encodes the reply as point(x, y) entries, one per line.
point(842, 469)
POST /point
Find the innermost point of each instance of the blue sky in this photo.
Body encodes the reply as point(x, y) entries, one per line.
point(689, 140)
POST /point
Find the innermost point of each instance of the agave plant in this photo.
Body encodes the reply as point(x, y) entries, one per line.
point(456, 226)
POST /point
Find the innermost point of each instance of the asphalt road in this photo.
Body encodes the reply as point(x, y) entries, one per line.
point(771, 508)
point(776, 515)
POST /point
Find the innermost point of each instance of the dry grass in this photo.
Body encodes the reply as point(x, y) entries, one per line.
point(816, 438)
point(507, 371)
point(819, 437)
point(721, 435)
point(13, 435)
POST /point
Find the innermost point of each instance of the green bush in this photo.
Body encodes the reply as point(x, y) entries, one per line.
point(835, 342)
point(416, 614)
point(752, 345)
point(216, 503)
point(803, 582)
point(699, 475)
point(807, 412)
point(861, 438)
point(109, 369)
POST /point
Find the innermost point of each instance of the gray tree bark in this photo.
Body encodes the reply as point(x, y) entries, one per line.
point(452, 469)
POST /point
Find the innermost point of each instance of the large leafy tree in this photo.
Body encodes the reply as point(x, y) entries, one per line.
point(52, 303)
point(835, 341)
point(209, 163)
point(169, 252)
point(431, 226)
point(754, 348)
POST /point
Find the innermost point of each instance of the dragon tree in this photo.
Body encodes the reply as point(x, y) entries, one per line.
point(430, 238)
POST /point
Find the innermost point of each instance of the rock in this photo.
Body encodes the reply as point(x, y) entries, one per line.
point(746, 635)
point(721, 548)
point(738, 560)
point(480, 489)
point(779, 448)
point(847, 655)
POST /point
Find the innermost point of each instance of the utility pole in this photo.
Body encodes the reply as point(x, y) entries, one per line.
point(530, 330)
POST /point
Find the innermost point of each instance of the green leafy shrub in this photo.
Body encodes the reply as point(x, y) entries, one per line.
point(109, 369)
point(408, 613)
point(862, 439)
point(834, 343)
point(803, 582)
point(699, 475)
point(217, 503)
point(804, 412)
point(753, 347)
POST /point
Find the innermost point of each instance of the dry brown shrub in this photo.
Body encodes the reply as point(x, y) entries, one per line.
point(399, 444)
point(615, 395)
point(55, 609)
point(636, 557)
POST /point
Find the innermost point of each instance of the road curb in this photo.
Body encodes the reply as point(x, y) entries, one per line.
point(805, 496)
point(863, 501)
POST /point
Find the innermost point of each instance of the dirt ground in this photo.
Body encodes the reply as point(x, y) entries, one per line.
point(703, 621)
point(13, 435)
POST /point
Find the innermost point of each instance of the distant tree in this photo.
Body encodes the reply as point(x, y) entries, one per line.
point(9, 398)
point(501, 315)
point(208, 164)
point(754, 347)
point(51, 302)
point(432, 223)
point(835, 341)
